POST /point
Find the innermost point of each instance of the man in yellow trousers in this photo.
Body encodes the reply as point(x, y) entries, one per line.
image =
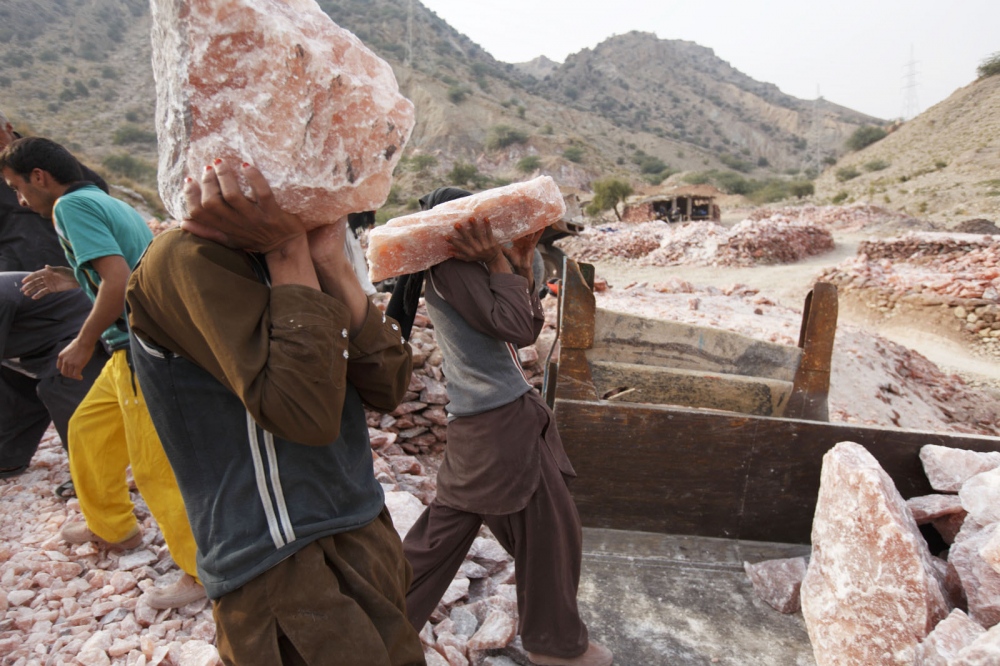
point(103, 239)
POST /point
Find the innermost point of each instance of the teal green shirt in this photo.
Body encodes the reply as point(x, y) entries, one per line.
point(91, 225)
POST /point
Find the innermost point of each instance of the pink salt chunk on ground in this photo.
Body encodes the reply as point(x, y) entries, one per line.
point(496, 632)
point(991, 552)
point(777, 582)
point(984, 651)
point(869, 595)
point(980, 580)
point(948, 638)
point(415, 242)
point(928, 507)
point(278, 84)
point(980, 496)
point(947, 469)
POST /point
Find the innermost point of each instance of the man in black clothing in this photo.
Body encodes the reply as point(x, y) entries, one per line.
point(33, 332)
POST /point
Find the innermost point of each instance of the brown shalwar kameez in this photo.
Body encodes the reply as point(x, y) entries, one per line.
point(505, 467)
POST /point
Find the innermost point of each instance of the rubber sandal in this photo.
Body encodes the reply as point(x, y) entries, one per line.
point(65, 490)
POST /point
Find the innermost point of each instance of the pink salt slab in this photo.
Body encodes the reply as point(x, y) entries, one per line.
point(947, 469)
point(415, 242)
point(870, 594)
point(984, 651)
point(980, 580)
point(928, 507)
point(777, 582)
point(278, 84)
point(949, 637)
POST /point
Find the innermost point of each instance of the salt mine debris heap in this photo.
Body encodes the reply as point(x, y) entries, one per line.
point(414, 242)
point(278, 84)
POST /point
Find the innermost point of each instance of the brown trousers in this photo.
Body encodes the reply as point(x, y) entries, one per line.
point(546, 541)
point(339, 601)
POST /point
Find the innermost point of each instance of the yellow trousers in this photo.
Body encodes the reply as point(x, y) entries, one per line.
point(110, 430)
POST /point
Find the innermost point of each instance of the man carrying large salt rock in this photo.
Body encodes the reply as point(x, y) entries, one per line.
point(505, 464)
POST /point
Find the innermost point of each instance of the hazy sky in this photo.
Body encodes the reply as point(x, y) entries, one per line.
point(855, 52)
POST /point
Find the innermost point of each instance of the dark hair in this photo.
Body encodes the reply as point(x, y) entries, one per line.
point(406, 295)
point(363, 220)
point(25, 155)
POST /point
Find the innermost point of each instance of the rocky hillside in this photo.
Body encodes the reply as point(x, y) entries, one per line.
point(643, 108)
point(944, 165)
point(683, 91)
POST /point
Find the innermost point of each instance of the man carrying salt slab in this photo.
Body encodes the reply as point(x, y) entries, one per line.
point(505, 464)
point(257, 347)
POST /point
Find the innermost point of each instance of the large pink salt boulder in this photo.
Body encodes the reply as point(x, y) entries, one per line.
point(869, 595)
point(278, 84)
point(414, 242)
point(980, 580)
point(949, 637)
point(980, 496)
point(984, 651)
point(947, 469)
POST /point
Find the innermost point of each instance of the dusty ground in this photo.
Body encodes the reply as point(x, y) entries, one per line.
point(788, 285)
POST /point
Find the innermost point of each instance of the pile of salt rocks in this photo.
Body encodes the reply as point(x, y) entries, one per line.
point(960, 272)
point(748, 243)
point(852, 218)
point(872, 592)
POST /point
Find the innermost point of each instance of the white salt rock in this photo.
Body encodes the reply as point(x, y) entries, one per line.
point(454, 656)
point(20, 597)
point(123, 581)
point(948, 638)
point(434, 392)
point(136, 559)
point(198, 653)
point(489, 553)
point(984, 651)
point(471, 570)
point(405, 509)
point(414, 242)
point(777, 582)
point(980, 496)
point(496, 632)
point(458, 642)
point(980, 580)
point(9, 644)
point(947, 469)
point(990, 552)
point(122, 646)
point(278, 84)
point(459, 589)
point(928, 507)
point(434, 657)
point(869, 595)
point(93, 657)
point(528, 356)
point(465, 621)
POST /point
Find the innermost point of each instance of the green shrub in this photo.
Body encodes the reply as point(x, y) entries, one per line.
point(5, 82)
point(501, 136)
point(736, 163)
point(109, 72)
point(574, 154)
point(547, 130)
point(463, 174)
point(839, 197)
point(801, 188)
point(132, 134)
point(864, 136)
point(990, 66)
point(940, 164)
point(847, 173)
point(457, 94)
point(421, 162)
point(608, 193)
point(48, 56)
point(876, 165)
point(697, 177)
point(130, 167)
point(529, 163)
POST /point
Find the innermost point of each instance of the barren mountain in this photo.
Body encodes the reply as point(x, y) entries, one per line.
point(944, 165)
point(79, 72)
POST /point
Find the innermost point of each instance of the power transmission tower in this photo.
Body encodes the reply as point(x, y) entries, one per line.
point(911, 107)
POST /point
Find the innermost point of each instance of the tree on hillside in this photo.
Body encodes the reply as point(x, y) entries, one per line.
point(608, 192)
point(990, 66)
point(864, 136)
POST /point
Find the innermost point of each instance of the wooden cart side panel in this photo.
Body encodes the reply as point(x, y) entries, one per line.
point(677, 471)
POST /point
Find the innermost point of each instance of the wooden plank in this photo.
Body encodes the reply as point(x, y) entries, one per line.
point(680, 471)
